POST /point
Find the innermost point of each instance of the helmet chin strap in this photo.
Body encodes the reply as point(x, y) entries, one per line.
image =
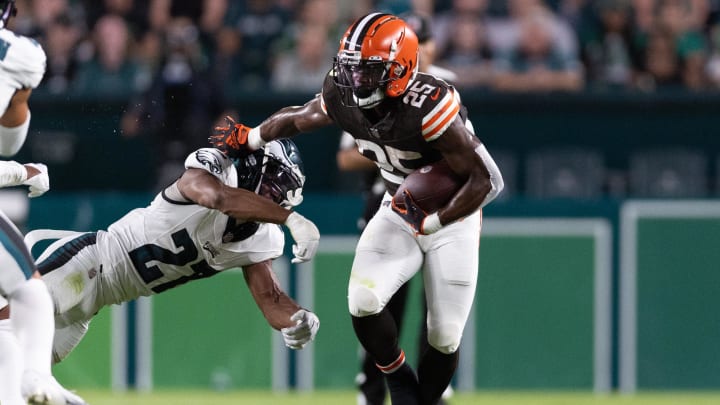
point(370, 101)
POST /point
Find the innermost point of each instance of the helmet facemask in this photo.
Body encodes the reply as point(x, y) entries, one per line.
point(249, 169)
point(377, 58)
point(362, 82)
point(282, 174)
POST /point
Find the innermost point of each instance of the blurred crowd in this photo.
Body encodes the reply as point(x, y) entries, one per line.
point(176, 63)
point(119, 48)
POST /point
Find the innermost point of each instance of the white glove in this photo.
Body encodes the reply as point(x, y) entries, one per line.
point(306, 235)
point(304, 331)
point(40, 183)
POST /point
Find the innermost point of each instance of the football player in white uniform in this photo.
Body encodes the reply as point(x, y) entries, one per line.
point(401, 119)
point(220, 214)
point(26, 340)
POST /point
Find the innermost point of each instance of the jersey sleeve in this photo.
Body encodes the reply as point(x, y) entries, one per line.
point(22, 60)
point(212, 161)
point(442, 114)
point(329, 94)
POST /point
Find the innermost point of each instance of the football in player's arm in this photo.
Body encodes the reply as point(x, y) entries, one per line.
point(220, 214)
point(402, 120)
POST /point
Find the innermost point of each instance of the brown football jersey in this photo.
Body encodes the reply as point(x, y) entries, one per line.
point(400, 141)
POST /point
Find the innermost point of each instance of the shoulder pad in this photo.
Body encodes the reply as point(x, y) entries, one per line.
point(210, 160)
point(440, 105)
point(24, 62)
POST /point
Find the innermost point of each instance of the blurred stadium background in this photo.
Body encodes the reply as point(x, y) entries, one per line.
point(599, 263)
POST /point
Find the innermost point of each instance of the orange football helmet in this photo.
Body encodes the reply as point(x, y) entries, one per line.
point(377, 57)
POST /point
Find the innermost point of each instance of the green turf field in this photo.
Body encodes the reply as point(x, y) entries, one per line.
point(348, 397)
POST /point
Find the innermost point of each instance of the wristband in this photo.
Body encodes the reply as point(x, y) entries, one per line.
point(431, 224)
point(254, 140)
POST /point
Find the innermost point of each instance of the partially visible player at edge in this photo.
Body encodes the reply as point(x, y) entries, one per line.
point(402, 120)
point(26, 341)
point(220, 214)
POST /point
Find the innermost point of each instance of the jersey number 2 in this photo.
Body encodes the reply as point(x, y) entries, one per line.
point(143, 256)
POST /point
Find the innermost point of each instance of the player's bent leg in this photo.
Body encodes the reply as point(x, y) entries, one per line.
point(33, 323)
point(401, 381)
point(450, 277)
point(379, 336)
point(67, 338)
point(396, 305)
point(435, 372)
point(370, 382)
point(445, 338)
point(363, 301)
point(11, 366)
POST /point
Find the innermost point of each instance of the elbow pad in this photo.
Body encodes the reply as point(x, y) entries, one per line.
point(12, 139)
point(496, 180)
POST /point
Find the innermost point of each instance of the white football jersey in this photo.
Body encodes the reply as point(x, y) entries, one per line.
point(149, 250)
point(22, 64)
point(173, 240)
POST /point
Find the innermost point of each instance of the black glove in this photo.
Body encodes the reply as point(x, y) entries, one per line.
point(231, 139)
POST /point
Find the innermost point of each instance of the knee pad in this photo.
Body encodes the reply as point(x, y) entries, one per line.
point(362, 301)
point(445, 338)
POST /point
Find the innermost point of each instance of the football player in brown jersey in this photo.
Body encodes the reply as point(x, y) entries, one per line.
point(370, 380)
point(402, 120)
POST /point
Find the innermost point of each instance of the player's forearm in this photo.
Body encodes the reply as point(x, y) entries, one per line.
point(466, 201)
point(485, 182)
point(277, 308)
point(273, 302)
point(282, 124)
point(248, 206)
point(290, 121)
point(17, 110)
point(351, 159)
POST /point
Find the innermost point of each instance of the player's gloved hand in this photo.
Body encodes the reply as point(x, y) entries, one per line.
point(39, 183)
point(304, 331)
point(418, 219)
point(231, 139)
point(306, 235)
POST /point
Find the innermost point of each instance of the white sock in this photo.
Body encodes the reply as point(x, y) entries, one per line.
point(11, 366)
point(31, 312)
